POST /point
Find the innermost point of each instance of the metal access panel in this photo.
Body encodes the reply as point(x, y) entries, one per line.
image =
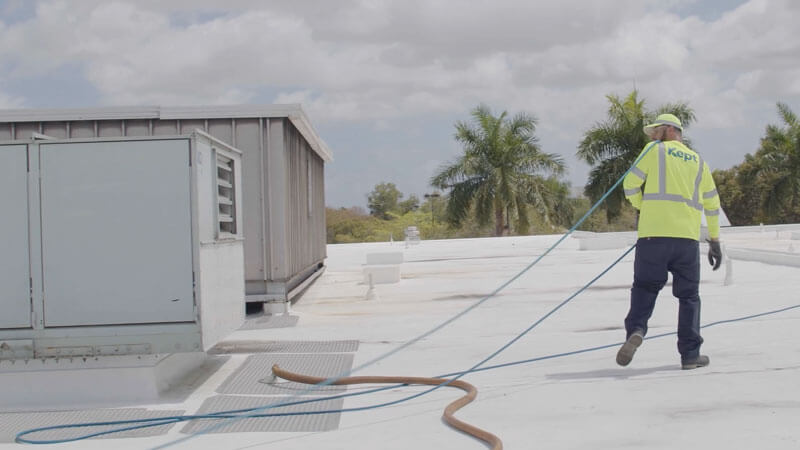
point(116, 232)
point(15, 296)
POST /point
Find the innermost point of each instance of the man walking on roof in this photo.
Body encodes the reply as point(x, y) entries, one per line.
point(671, 186)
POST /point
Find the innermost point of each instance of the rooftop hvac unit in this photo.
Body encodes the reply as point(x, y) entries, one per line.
point(283, 177)
point(117, 246)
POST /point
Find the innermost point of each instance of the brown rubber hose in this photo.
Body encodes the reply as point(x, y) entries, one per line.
point(494, 442)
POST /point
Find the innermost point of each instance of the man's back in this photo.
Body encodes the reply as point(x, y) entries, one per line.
point(677, 188)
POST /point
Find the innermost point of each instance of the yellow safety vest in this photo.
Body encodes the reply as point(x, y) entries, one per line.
point(678, 187)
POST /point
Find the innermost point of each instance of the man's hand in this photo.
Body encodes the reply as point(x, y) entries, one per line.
point(714, 253)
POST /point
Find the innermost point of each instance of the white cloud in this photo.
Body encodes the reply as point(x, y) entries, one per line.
point(381, 61)
point(7, 100)
point(10, 102)
point(134, 55)
point(370, 53)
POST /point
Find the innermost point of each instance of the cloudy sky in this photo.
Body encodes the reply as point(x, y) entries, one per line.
point(384, 81)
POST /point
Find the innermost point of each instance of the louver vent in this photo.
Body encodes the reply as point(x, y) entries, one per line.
point(226, 197)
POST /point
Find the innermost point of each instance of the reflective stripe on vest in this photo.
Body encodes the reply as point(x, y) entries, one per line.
point(638, 172)
point(694, 202)
point(632, 191)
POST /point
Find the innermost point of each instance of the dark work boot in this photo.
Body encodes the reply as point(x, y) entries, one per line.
point(625, 353)
point(694, 363)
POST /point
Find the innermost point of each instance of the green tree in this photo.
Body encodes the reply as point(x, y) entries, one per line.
point(611, 146)
point(765, 187)
point(499, 174)
point(559, 209)
point(348, 225)
point(779, 166)
point(434, 206)
point(740, 192)
point(383, 200)
point(406, 206)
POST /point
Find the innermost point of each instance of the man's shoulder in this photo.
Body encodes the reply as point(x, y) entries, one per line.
point(678, 145)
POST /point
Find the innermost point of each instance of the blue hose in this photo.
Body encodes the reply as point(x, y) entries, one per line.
point(152, 422)
point(225, 414)
point(443, 324)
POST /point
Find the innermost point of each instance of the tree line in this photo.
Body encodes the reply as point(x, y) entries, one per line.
point(765, 187)
point(504, 183)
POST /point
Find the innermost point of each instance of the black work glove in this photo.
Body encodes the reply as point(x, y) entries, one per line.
point(714, 254)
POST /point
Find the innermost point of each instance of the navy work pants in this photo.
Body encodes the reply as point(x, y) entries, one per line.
point(655, 256)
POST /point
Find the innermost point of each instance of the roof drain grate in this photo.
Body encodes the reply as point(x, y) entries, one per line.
point(252, 376)
point(311, 422)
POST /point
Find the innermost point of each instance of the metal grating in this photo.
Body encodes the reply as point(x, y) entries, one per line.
point(311, 422)
point(227, 347)
point(270, 321)
point(254, 376)
point(13, 423)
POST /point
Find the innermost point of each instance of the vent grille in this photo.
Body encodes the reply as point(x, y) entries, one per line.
point(226, 197)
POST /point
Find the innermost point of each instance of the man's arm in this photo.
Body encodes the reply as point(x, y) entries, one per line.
point(711, 204)
point(634, 180)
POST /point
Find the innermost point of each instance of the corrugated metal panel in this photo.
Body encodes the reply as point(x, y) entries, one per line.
point(26, 130)
point(306, 229)
point(187, 126)
point(165, 127)
point(109, 128)
point(229, 111)
point(318, 206)
point(297, 226)
point(294, 112)
point(81, 129)
point(276, 219)
point(222, 130)
point(55, 129)
point(137, 128)
point(79, 114)
point(249, 138)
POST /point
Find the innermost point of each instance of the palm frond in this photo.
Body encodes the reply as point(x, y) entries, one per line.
point(681, 110)
point(789, 117)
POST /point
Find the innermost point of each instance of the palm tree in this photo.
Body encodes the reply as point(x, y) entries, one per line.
point(612, 146)
point(779, 164)
point(499, 173)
